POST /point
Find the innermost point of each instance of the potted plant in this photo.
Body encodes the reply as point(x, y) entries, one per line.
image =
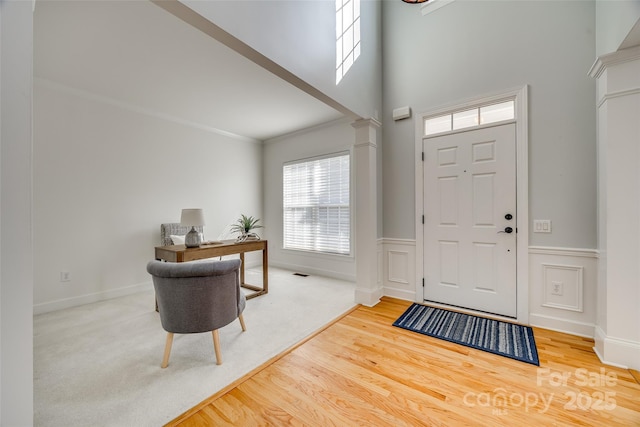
point(244, 225)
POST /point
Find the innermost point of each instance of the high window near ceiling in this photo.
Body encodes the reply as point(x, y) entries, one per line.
point(347, 35)
point(316, 205)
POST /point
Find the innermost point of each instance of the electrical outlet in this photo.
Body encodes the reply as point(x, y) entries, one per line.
point(65, 276)
point(556, 288)
point(542, 226)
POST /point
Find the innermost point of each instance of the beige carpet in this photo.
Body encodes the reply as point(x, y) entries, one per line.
point(99, 364)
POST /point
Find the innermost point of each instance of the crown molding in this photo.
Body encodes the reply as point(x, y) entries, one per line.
point(605, 61)
point(106, 100)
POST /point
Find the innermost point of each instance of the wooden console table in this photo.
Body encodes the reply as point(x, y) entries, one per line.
point(179, 253)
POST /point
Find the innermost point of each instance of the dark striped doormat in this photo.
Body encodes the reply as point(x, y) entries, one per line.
point(497, 337)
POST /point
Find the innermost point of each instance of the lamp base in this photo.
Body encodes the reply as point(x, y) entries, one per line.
point(192, 239)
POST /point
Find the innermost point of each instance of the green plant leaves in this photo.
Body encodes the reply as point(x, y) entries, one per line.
point(244, 224)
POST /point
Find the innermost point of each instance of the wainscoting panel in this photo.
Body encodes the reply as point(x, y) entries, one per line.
point(562, 289)
point(398, 268)
point(563, 286)
point(562, 283)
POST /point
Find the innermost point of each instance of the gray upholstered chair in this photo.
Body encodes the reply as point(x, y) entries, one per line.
point(174, 228)
point(196, 297)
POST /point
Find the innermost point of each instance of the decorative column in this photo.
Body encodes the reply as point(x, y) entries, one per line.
point(618, 297)
point(368, 290)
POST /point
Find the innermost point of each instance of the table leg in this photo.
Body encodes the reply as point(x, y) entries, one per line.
point(265, 270)
point(257, 291)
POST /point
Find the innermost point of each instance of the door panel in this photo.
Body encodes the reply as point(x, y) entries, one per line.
point(470, 185)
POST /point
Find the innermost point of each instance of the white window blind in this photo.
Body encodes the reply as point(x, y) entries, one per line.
point(316, 207)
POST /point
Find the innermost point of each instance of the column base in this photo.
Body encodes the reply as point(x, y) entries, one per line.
point(616, 352)
point(367, 296)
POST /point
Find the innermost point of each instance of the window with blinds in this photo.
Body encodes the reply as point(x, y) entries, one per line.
point(317, 215)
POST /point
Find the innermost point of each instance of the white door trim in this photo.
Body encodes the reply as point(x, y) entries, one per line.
point(519, 95)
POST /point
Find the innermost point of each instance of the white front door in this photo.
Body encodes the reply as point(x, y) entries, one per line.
point(470, 219)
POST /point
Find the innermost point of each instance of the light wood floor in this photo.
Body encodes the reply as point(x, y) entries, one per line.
point(362, 371)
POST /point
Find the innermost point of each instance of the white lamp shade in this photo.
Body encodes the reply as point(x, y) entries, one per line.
point(192, 217)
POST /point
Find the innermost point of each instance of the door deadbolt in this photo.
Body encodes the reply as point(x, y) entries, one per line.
point(508, 217)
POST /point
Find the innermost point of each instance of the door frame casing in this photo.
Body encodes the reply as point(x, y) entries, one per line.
point(519, 95)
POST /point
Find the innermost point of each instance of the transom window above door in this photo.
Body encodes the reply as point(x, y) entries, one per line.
point(473, 117)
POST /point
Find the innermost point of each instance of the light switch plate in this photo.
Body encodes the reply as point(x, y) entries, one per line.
point(542, 226)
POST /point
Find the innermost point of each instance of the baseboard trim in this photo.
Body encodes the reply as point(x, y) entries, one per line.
point(562, 325)
point(617, 352)
point(314, 271)
point(47, 307)
point(399, 294)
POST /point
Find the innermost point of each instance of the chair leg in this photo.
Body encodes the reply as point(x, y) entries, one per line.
point(167, 350)
point(244, 327)
point(216, 346)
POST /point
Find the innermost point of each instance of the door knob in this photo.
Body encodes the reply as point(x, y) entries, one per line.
point(507, 230)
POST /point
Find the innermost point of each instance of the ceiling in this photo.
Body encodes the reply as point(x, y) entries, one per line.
point(633, 38)
point(137, 54)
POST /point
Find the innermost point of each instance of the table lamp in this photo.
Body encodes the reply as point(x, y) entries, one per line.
point(192, 218)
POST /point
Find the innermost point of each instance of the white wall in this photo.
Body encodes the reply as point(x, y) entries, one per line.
point(331, 138)
point(16, 258)
point(300, 36)
point(468, 49)
point(614, 20)
point(107, 174)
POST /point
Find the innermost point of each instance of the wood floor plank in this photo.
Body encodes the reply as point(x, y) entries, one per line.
point(409, 405)
point(345, 396)
point(361, 370)
point(294, 395)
